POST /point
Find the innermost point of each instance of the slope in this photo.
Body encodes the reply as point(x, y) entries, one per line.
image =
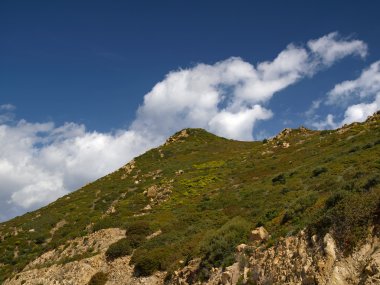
point(200, 195)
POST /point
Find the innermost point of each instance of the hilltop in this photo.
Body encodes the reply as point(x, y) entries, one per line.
point(201, 208)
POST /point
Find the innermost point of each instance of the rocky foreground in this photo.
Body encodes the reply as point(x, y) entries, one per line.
point(293, 260)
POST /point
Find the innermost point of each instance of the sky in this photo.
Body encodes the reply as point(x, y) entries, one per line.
point(85, 86)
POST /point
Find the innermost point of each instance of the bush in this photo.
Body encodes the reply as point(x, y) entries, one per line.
point(372, 182)
point(146, 264)
point(318, 171)
point(39, 239)
point(99, 278)
point(147, 261)
point(367, 146)
point(279, 179)
point(118, 249)
point(354, 149)
point(218, 248)
point(138, 228)
point(348, 220)
point(298, 207)
point(106, 223)
point(135, 240)
point(333, 200)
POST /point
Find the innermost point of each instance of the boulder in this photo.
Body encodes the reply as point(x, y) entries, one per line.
point(259, 234)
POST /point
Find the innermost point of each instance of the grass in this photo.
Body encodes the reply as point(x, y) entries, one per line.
point(321, 179)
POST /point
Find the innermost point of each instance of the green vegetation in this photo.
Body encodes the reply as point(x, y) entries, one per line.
point(324, 181)
point(218, 247)
point(118, 249)
point(99, 278)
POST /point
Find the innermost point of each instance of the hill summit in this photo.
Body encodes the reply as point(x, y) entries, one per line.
point(300, 208)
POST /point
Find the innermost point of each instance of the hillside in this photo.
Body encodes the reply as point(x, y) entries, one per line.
point(190, 202)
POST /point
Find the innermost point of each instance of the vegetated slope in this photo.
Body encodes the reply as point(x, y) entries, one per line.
point(200, 195)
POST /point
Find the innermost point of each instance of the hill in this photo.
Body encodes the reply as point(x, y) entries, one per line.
point(177, 213)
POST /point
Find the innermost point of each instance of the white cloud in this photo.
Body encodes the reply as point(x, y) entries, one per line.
point(7, 107)
point(40, 161)
point(360, 112)
point(360, 96)
point(328, 123)
point(332, 47)
point(366, 85)
point(238, 125)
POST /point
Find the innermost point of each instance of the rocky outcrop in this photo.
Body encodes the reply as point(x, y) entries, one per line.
point(77, 261)
point(177, 137)
point(294, 260)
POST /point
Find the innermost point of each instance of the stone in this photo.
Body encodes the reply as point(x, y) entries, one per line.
point(241, 247)
point(259, 234)
point(152, 192)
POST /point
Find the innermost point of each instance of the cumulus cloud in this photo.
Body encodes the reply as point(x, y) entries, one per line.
point(225, 97)
point(366, 85)
point(360, 96)
point(332, 47)
point(40, 162)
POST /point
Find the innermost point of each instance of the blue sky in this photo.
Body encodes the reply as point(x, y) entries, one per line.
point(74, 73)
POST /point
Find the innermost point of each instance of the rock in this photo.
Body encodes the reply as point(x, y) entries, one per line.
point(226, 278)
point(147, 208)
point(241, 247)
point(152, 191)
point(285, 144)
point(330, 247)
point(153, 235)
point(259, 234)
point(177, 137)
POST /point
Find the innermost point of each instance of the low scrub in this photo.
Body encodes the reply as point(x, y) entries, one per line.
point(119, 249)
point(218, 248)
point(99, 278)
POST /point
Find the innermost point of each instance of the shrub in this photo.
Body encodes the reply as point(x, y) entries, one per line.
point(284, 190)
point(118, 249)
point(367, 146)
point(348, 220)
point(39, 239)
point(333, 200)
point(106, 223)
point(99, 278)
point(146, 264)
point(324, 132)
point(318, 171)
point(218, 248)
point(354, 149)
point(279, 179)
point(135, 240)
point(138, 228)
point(147, 261)
point(372, 182)
point(298, 207)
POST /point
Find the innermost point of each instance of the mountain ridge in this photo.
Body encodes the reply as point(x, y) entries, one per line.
point(186, 193)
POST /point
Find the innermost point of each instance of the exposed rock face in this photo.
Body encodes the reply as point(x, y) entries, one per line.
point(295, 260)
point(51, 268)
point(177, 137)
